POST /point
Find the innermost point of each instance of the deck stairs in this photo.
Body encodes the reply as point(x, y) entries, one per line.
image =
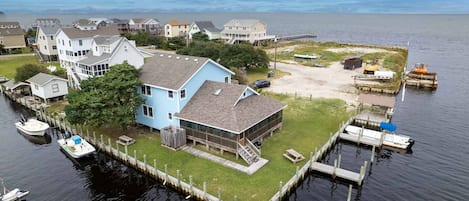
point(249, 152)
point(39, 55)
point(76, 79)
point(231, 41)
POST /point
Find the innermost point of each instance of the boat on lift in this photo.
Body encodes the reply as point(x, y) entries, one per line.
point(390, 139)
point(12, 195)
point(75, 146)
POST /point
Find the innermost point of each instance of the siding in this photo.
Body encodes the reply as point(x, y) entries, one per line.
point(161, 105)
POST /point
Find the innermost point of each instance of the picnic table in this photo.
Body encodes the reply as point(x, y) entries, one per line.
point(293, 155)
point(125, 140)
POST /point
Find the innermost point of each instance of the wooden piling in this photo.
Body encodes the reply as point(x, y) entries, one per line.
point(372, 154)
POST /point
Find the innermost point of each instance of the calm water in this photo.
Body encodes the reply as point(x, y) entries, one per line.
point(437, 169)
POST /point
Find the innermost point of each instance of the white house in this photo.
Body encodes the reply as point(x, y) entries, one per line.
point(48, 86)
point(151, 26)
point(174, 29)
point(206, 27)
point(245, 30)
point(46, 43)
point(91, 24)
point(106, 51)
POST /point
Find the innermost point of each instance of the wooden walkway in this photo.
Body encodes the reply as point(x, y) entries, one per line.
point(337, 172)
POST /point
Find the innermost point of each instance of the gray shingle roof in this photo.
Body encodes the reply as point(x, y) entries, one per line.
point(106, 40)
point(16, 30)
point(77, 33)
point(170, 70)
point(43, 78)
point(91, 59)
point(223, 112)
point(12, 84)
point(206, 25)
point(47, 22)
point(49, 29)
point(84, 22)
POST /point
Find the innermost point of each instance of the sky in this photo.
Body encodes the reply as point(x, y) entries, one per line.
point(299, 6)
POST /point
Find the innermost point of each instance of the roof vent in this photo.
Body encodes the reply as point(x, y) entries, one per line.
point(169, 56)
point(186, 58)
point(217, 92)
point(177, 57)
point(161, 55)
point(196, 60)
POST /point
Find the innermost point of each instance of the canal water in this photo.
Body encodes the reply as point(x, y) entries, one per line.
point(436, 169)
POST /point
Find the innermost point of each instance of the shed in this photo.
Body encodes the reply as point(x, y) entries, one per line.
point(16, 87)
point(352, 63)
point(48, 86)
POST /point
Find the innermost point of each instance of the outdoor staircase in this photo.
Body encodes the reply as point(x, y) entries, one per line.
point(231, 41)
point(249, 152)
point(76, 79)
point(38, 54)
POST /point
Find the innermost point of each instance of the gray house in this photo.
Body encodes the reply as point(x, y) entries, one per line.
point(206, 27)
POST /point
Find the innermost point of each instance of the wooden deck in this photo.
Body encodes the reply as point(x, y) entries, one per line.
point(337, 172)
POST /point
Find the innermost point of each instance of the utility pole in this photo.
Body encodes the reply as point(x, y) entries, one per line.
point(275, 53)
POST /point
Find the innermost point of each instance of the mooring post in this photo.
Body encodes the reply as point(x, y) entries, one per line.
point(311, 159)
point(135, 156)
point(280, 190)
point(156, 169)
point(110, 145)
point(338, 161)
point(205, 189)
point(297, 171)
point(166, 173)
point(177, 176)
point(190, 183)
point(118, 151)
point(349, 197)
point(361, 176)
point(335, 167)
point(372, 154)
point(145, 161)
point(102, 139)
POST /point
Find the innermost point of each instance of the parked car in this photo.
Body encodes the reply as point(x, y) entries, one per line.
point(261, 83)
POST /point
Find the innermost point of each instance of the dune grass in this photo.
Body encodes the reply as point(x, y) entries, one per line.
point(307, 124)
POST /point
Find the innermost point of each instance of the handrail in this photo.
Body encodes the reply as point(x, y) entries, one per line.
point(253, 147)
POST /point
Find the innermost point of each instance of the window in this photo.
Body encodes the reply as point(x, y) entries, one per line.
point(80, 42)
point(63, 43)
point(170, 94)
point(54, 47)
point(183, 93)
point(55, 88)
point(170, 116)
point(147, 111)
point(96, 48)
point(226, 80)
point(70, 43)
point(52, 37)
point(45, 47)
point(146, 90)
point(36, 86)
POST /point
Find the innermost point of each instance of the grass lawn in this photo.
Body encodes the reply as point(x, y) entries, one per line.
point(9, 65)
point(307, 124)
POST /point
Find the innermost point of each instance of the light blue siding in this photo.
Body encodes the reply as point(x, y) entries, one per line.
point(162, 105)
point(209, 71)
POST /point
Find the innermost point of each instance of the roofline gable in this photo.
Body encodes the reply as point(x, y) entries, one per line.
point(121, 42)
point(200, 68)
point(247, 88)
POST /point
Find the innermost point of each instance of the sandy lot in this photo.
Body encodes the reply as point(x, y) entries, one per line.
point(331, 82)
point(358, 50)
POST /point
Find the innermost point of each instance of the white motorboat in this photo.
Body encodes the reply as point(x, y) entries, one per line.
point(76, 146)
point(390, 139)
point(12, 195)
point(32, 126)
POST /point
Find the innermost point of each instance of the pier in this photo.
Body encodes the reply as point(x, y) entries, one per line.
point(296, 36)
point(336, 171)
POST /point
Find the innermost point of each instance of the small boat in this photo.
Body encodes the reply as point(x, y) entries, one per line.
point(419, 68)
point(390, 139)
point(305, 56)
point(12, 195)
point(32, 126)
point(75, 146)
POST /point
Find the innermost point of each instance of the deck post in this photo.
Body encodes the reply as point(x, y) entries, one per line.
point(135, 156)
point(372, 154)
point(94, 137)
point(191, 184)
point(102, 139)
point(178, 176)
point(297, 171)
point(110, 145)
point(349, 196)
point(156, 169)
point(361, 176)
point(219, 193)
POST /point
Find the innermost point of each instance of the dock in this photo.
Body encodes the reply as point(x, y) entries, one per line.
point(297, 36)
point(337, 172)
point(361, 140)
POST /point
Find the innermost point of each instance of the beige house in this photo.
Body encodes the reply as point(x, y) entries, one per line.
point(174, 29)
point(249, 30)
point(46, 43)
point(11, 35)
point(151, 26)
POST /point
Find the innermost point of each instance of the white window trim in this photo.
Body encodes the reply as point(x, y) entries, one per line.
point(185, 94)
point(143, 113)
point(144, 93)
point(167, 95)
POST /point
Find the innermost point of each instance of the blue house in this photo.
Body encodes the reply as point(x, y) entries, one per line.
point(196, 94)
point(170, 81)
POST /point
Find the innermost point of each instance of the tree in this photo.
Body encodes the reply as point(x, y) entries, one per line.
point(200, 36)
point(176, 43)
point(60, 72)
point(2, 48)
point(31, 33)
point(109, 99)
point(27, 71)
